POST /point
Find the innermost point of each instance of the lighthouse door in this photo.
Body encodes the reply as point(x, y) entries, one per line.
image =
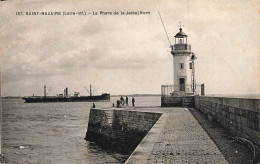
point(182, 84)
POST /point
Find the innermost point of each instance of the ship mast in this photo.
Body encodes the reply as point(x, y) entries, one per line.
point(44, 89)
point(90, 92)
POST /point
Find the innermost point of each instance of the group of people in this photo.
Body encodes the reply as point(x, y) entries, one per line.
point(123, 101)
point(120, 103)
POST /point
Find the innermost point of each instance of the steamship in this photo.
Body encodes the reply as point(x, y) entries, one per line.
point(67, 98)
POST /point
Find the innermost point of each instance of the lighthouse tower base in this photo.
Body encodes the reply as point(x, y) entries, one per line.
point(177, 101)
point(172, 98)
point(181, 93)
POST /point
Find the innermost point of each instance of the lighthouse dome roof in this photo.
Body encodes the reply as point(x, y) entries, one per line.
point(181, 34)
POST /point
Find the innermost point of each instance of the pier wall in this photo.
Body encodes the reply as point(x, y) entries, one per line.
point(119, 130)
point(177, 101)
point(241, 116)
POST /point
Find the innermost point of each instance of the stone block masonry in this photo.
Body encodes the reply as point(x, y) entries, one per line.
point(241, 116)
point(177, 101)
point(119, 130)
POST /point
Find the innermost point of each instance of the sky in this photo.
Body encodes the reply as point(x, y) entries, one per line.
point(127, 54)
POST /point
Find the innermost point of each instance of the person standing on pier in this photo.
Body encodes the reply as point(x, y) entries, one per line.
point(133, 101)
point(126, 101)
point(122, 101)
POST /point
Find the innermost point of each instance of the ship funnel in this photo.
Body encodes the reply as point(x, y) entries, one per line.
point(66, 92)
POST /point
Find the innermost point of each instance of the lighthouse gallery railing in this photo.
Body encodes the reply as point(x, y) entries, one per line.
point(168, 90)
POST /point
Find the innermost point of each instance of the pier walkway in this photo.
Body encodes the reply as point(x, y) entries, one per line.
point(178, 137)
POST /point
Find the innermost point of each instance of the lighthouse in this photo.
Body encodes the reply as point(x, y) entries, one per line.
point(181, 93)
point(183, 65)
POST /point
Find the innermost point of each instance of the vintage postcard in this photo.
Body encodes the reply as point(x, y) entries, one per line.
point(123, 81)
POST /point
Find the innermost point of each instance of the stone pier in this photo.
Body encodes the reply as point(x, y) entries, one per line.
point(177, 137)
point(172, 135)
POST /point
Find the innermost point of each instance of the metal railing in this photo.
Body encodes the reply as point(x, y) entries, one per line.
point(177, 47)
point(169, 90)
point(181, 48)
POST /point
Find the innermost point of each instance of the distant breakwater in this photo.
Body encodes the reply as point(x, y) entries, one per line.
point(119, 130)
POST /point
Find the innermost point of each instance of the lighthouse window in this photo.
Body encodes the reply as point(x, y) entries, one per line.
point(181, 65)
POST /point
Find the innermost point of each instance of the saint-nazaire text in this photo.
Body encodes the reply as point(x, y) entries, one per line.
point(80, 13)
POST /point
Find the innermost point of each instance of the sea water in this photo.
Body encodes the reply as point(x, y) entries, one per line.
point(54, 132)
